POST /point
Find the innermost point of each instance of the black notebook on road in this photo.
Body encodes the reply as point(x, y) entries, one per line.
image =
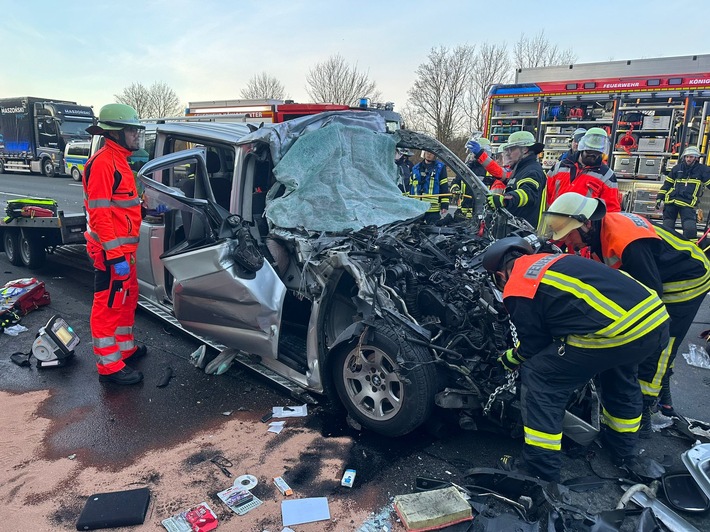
point(119, 508)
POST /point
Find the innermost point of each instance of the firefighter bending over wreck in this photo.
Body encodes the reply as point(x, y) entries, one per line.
point(675, 268)
point(602, 321)
point(113, 220)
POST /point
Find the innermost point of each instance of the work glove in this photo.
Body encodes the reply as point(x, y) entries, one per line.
point(659, 201)
point(510, 359)
point(121, 269)
point(496, 201)
point(474, 147)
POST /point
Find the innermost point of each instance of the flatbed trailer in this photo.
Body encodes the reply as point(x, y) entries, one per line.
point(26, 241)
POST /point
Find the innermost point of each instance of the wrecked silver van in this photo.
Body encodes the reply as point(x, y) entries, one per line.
point(292, 243)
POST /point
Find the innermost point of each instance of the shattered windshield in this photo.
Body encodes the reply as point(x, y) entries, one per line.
point(340, 178)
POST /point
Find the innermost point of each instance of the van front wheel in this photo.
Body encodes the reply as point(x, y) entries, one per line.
point(75, 174)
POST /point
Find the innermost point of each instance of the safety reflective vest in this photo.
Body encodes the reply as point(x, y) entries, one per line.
point(429, 181)
point(111, 202)
point(682, 265)
point(584, 303)
point(591, 181)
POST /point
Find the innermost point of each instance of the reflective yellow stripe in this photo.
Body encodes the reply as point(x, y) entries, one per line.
point(537, 438)
point(522, 197)
point(527, 180)
point(653, 388)
point(685, 290)
point(618, 424)
point(632, 316)
point(586, 292)
point(591, 341)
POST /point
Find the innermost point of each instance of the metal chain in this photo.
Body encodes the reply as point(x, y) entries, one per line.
point(514, 334)
point(508, 386)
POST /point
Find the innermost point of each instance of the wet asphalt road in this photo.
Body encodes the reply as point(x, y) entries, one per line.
point(108, 426)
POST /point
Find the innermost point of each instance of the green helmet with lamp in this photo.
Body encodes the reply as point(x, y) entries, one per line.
point(114, 117)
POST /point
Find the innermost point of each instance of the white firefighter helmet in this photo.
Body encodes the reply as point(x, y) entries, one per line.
point(569, 212)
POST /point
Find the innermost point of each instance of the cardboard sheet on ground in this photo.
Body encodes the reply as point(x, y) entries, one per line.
point(299, 511)
point(339, 178)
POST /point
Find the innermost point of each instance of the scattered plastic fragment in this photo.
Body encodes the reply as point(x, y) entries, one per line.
point(227, 413)
point(289, 411)
point(71, 456)
point(14, 330)
point(697, 356)
point(276, 426)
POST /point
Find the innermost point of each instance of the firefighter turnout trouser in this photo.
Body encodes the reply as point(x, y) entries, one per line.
point(688, 219)
point(548, 380)
point(112, 313)
point(653, 369)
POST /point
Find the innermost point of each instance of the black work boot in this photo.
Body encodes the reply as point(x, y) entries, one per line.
point(645, 428)
point(140, 352)
point(665, 401)
point(127, 375)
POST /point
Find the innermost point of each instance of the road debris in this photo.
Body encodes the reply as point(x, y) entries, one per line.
point(201, 518)
point(300, 511)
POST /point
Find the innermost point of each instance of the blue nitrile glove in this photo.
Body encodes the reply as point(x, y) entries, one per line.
point(510, 359)
point(161, 209)
point(474, 147)
point(121, 269)
point(496, 201)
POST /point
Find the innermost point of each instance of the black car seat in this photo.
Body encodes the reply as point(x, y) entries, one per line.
point(221, 186)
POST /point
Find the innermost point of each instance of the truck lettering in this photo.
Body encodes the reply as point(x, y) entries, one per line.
point(11, 110)
point(78, 112)
point(621, 85)
point(702, 81)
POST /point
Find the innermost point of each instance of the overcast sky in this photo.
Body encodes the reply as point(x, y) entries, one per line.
point(207, 49)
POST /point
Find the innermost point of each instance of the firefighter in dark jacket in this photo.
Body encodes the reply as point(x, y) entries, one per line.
point(113, 220)
point(676, 269)
point(574, 319)
point(681, 191)
point(524, 195)
point(431, 184)
point(404, 169)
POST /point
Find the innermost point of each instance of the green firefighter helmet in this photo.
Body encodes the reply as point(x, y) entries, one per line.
point(596, 139)
point(524, 139)
point(114, 117)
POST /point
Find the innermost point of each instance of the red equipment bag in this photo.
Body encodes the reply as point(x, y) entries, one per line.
point(23, 296)
point(32, 211)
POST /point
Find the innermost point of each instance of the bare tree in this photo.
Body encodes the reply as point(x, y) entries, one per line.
point(263, 86)
point(334, 81)
point(163, 101)
point(437, 93)
point(538, 51)
point(157, 101)
point(137, 96)
point(491, 65)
